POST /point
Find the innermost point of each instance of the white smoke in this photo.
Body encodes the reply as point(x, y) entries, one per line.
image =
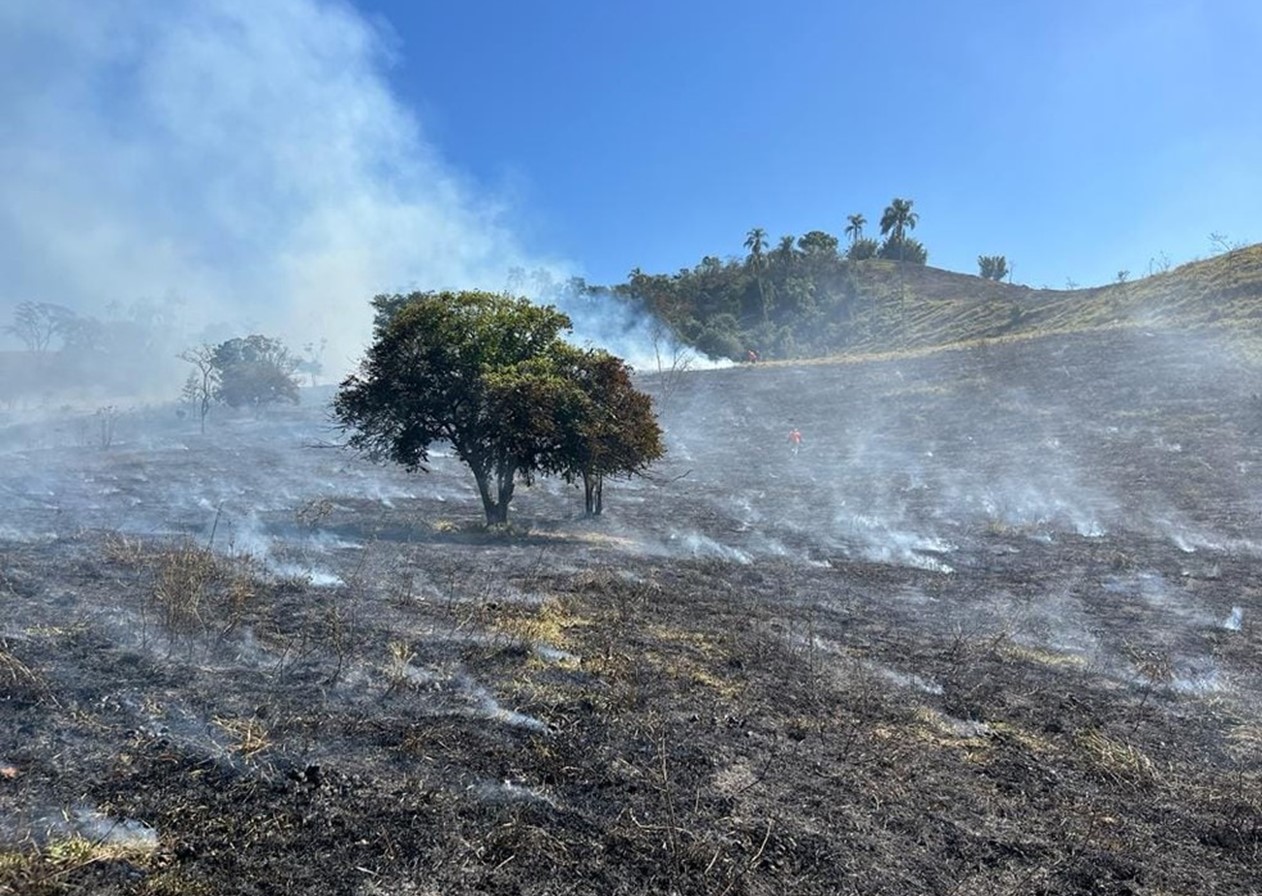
point(246, 164)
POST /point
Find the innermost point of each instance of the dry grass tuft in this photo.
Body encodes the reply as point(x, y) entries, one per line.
point(250, 734)
point(14, 672)
point(1116, 761)
point(184, 573)
point(53, 867)
point(1026, 653)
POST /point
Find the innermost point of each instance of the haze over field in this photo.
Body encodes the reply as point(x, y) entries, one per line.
point(271, 166)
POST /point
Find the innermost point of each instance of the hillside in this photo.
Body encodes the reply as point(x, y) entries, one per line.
point(811, 307)
point(911, 306)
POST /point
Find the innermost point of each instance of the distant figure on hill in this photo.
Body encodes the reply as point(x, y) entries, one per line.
point(795, 440)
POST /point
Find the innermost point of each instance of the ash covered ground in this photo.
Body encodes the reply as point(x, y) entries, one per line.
point(994, 629)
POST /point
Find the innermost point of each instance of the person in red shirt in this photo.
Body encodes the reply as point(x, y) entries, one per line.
point(795, 439)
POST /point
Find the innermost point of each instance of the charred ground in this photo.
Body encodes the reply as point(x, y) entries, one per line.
point(994, 630)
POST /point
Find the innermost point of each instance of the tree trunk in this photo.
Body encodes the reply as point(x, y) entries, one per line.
point(484, 492)
point(593, 491)
point(505, 475)
point(495, 503)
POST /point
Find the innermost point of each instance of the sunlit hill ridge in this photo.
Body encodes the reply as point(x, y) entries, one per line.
point(875, 306)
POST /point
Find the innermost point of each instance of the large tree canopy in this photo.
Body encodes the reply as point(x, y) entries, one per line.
point(490, 375)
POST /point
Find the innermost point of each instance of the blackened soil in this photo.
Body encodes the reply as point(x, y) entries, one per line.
point(993, 630)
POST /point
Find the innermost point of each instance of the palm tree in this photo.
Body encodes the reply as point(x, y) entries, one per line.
point(897, 220)
point(855, 230)
point(755, 242)
point(784, 251)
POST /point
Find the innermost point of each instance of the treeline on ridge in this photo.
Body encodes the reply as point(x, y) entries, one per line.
point(797, 298)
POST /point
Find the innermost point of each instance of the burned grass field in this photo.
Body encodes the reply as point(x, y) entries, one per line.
point(992, 630)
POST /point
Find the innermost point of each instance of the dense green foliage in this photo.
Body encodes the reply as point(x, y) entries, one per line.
point(992, 267)
point(491, 376)
point(610, 430)
point(794, 297)
point(254, 371)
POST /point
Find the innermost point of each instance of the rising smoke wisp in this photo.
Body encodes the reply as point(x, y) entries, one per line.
point(246, 165)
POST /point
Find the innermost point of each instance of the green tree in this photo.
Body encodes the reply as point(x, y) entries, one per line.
point(784, 251)
point(756, 243)
point(992, 267)
point(254, 371)
point(818, 244)
point(896, 221)
point(907, 249)
point(488, 374)
point(863, 248)
point(854, 229)
point(610, 430)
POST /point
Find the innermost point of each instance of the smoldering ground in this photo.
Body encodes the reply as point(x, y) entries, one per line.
point(984, 609)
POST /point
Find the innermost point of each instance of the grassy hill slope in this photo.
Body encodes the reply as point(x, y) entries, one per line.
point(911, 306)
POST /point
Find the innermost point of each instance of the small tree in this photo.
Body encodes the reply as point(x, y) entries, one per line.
point(905, 248)
point(473, 369)
point(203, 380)
point(254, 371)
point(313, 362)
point(862, 248)
point(608, 429)
point(992, 267)
point(817, 244)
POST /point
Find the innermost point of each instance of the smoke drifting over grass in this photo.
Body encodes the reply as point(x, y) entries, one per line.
point(244, 164)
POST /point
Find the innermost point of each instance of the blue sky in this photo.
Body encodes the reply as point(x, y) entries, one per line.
point(271, 166)
point(1077, 138)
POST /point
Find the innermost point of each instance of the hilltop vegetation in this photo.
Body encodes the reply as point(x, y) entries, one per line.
point(807, 299)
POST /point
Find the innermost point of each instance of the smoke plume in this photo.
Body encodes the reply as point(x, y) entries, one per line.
point(244, 164)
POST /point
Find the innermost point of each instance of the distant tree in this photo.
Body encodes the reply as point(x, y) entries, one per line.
point(854, 229)
point(818, 244)
point(863, 248)
point(784, 251)
point(992, 267)
point(203, 380)
point(254, 371)
point(490, 375)
point(756, 242)
point(1123, 276)
point(37, 323)
point(313, 362)
point(907, 249)
point(896, 221)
